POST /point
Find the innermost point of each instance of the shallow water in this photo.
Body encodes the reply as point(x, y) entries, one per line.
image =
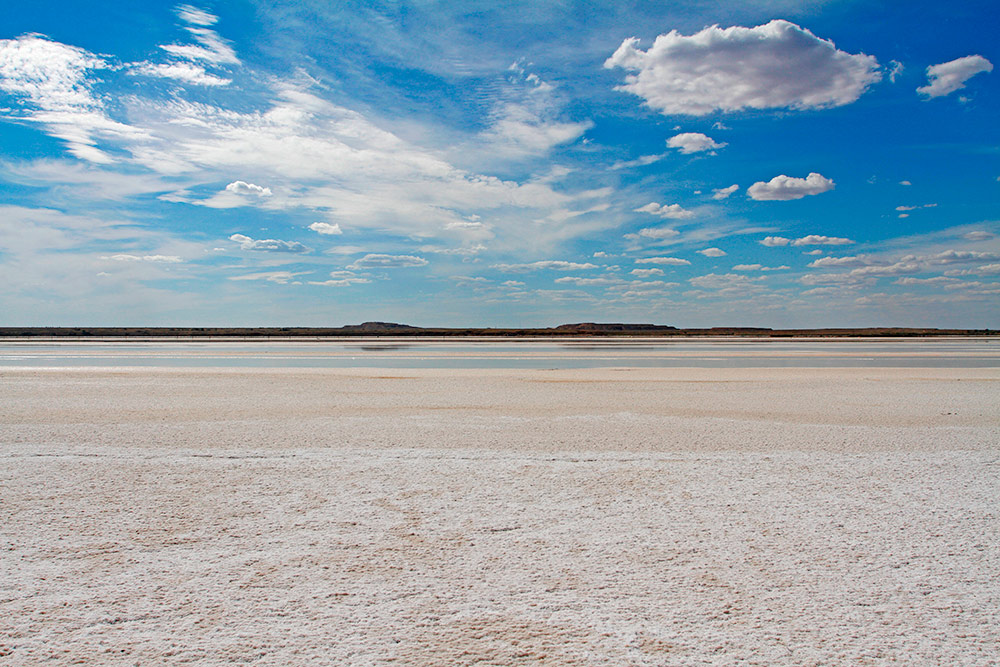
point(402, 353)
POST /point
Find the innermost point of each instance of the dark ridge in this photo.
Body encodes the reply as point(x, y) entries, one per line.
point(594, 327)
point(582, 329)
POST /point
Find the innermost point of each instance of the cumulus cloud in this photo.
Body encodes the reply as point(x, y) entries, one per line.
point(380, 261)
point(904, 210)
point(784, 188)
point(723, 193)
point(670, 261)
point(169, 259)
point(268, 245)
point(654, 233)
point(186, 72)
point(759, 267)
point(694, 142)
point(244, 188)
point(776, 65)
point(672, 211)
point(712, 252)
point(545, 264)
point(583, 282)
point(810, 239)
point(866, 267)
point(817, 239)
point(646, 273)
point(946, 78)
point(325, 228)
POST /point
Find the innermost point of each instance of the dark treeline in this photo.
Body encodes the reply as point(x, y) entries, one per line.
point(587, 329)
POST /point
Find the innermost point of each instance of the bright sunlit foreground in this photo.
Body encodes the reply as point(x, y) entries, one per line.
point(450, 517)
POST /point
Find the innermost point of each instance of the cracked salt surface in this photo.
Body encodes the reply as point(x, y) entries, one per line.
point(598, 517)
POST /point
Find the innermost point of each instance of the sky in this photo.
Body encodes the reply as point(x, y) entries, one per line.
point(774, 163)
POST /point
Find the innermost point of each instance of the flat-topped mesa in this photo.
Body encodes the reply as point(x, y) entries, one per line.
point(596, 327)
point(378, 327)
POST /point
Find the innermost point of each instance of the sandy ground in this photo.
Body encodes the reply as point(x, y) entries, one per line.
point(501, 517)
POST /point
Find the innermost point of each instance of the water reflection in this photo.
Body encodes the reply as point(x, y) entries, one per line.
point(739, 353)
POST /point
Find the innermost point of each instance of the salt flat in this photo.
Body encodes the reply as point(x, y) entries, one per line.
point(671, 516)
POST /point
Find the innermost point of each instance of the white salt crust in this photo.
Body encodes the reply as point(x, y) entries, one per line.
point(585, 517)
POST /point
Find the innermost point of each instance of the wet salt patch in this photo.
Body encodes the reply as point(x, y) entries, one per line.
point(429, 556)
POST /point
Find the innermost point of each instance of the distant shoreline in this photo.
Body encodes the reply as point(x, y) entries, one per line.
point(385, 329)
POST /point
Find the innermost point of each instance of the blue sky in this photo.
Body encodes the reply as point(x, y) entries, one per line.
point(769, 163)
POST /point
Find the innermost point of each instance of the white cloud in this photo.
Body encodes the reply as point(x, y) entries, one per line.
point(904, 209)
point(770, 66)
point(646, 273)
point(724, 281)
point(864, 267)
point(169, 259)
point(186, 72)
point(527, 122)
point(196, 16)
point(583, 282)
point(895, 69)
point(948, 77)
point(672, 211)
point(905, 183)
point(817, 251)
point(693, 142)
point(316, 156)
point(380, 261)
point(759, 267)
point(50, 79)
point(937, 280)
point(712, 252)
point(655, 233)
point(640, 161)
point(268, 245)
point(784, 188)
point(670, 261)
point(341, 279)
point(325, 228)
point(279, 277)
point(244, 188)
point(546, 264)
point(977, 235)
point(723, 193)
point(211, 48)
point(817, 239)
point(810, 239)
point(465, 225)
